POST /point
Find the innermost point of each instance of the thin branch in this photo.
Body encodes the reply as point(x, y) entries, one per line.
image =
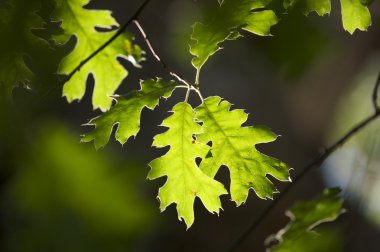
point(197, 76)
point(196, 89)
point(165, 66)
point(304, 171)
point(155, 55)
point(101, 48)
point(375, 94)
point(187, 93)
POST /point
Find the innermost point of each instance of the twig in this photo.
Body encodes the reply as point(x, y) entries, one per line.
point(304, 171)
point(117, 34)
point(165, 66)
point(155, 55)
point(196, 89)
point(187, 93)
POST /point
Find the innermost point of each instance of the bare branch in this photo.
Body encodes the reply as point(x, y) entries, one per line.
point(155, 55)
point(315, 162)
point(196, 89)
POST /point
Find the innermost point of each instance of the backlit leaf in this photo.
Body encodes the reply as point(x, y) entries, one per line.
point(355, 15)
point(185, 180)
point(224, 25)
point(127, 111)
point(108, 72)
point(234, 146)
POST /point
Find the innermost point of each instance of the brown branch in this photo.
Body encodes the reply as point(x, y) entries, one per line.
point(101, 48)
point(375, 94)
point(155, 55)
point(304, 171)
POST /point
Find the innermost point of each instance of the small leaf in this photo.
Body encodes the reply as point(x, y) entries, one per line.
point(108, 72)
point(185, 180)
point(305, 216)
point(355, 15)
point(127, 111)
point(234, 146)
point(224, 25)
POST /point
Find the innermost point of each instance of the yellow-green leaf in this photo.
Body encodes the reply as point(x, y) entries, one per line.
point(355, 15)
point(107, 71)
point(234, 146)
point(127, 111)
point(185, 180)
point(224, 25)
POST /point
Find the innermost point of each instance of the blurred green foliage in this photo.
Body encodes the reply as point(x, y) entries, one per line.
point(297, 43)
point(67, 197)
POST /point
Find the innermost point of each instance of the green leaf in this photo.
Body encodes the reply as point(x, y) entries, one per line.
point(321, 7)
point(305, 216)
point(355, 15)
point(107, 71)
point(234, 146)
point(127, 111)
point(185, 180)
point(224, 25)
point(17, 19)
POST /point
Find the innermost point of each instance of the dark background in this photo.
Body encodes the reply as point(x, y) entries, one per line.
point(58, 195)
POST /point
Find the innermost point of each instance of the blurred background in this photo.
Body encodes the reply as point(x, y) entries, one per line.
point(310, 82)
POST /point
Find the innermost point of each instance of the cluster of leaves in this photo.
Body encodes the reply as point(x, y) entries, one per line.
point(189, 132)
point(212, 131)
point(256, 17)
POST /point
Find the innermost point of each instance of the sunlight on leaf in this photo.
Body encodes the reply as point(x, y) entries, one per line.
point(224, 25)
point(108, 72)
point(234, 146)
point(185, 180)
point(127, 111)
point(355, 15)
